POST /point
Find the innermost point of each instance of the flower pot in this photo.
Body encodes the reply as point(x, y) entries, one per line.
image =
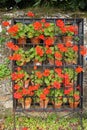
point(44, 103)
point(35, 40)
point(22, 41)
point(37, 63)
point(67, 39)
point(57, 105)
point(26, 84)
point(51, 61)
point(26, 104)
point(73, 104)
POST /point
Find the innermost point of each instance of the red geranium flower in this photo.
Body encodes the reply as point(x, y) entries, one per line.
point(5, 23)
point(17, 95)
point(16, 86)
point(43, 20)
point(75, 48)
point(39, 75)
point(60, 23)
point(48, 50)
point(39, 51)
point(79, 69)
point(62, 47)
point(25, 128)
point(41, 37)
point(42, 96)
point(58, 55)
point(83, 50)
point(46, 91)
point(49, 41)
point(68, 44)
point(37, 25)
point(58, 63)
point(12, 46)
point(56, 84)
point(46, 72)
point(30, 14)
point(47, 24)
point(15, 57)
point(13, 30)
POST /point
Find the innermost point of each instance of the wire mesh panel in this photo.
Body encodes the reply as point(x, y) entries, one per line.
point(47, 72)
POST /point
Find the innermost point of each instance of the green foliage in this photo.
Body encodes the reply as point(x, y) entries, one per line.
point(52, 122)
point(45, 2)
point(4, 70)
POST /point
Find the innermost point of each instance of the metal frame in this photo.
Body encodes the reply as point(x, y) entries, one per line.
point(80, 23)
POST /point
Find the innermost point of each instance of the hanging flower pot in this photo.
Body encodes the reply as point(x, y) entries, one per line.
point(37, 63)
point(35, 40)
point(26, 83)
point(44, 103)
point(58, 105)
point(26, 104)
point(22, 41)
point(73, 104)
point(51, 61)
point(67, 39)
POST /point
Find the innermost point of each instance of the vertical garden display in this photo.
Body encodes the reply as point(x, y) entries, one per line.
point(47, 62)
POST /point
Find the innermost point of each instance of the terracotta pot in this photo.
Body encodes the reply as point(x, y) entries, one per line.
point(51, 61)
point(37, 63)
point(44, 103)
point(26, 84)
point(67, 39)
point(35, 40)
point(22, 41)
point(26, 104)
point(73, 104)
point(57, 105)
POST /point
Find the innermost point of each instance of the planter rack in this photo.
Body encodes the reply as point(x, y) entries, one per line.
point(65, 107)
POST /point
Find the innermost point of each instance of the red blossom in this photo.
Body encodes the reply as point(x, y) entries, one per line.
point(25, 128)
point(68, 44)
point(39, 51)
point(37, 25)
point(60, 23)
point(46, 91)
point(41, 37)
point(75, 48)
point(46, 72)
point(48, 50)
point(62, 47)
point(17, 95)
point(76, 96)
point(47, 24)
point(42, 96)
point(39, 75)
point(12, 46)
point(5, 23)
point(79, 69)
point(56, 84)
point(15, 57)
point(83, 50)
point(49, 41)
point(58, 63)
point(35, 67)
point(13, 30)
point(16, 86)
point(43, 20)
point(30, 14)
point(58, 55)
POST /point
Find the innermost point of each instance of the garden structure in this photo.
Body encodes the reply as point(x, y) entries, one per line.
point(47, 64)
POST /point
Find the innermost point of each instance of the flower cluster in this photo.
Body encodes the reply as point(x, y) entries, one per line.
point(51, 73)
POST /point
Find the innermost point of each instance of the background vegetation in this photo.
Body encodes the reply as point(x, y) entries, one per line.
point(65, 4)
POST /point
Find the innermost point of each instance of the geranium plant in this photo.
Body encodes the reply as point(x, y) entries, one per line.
point(17, 30)
point(37, 54)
